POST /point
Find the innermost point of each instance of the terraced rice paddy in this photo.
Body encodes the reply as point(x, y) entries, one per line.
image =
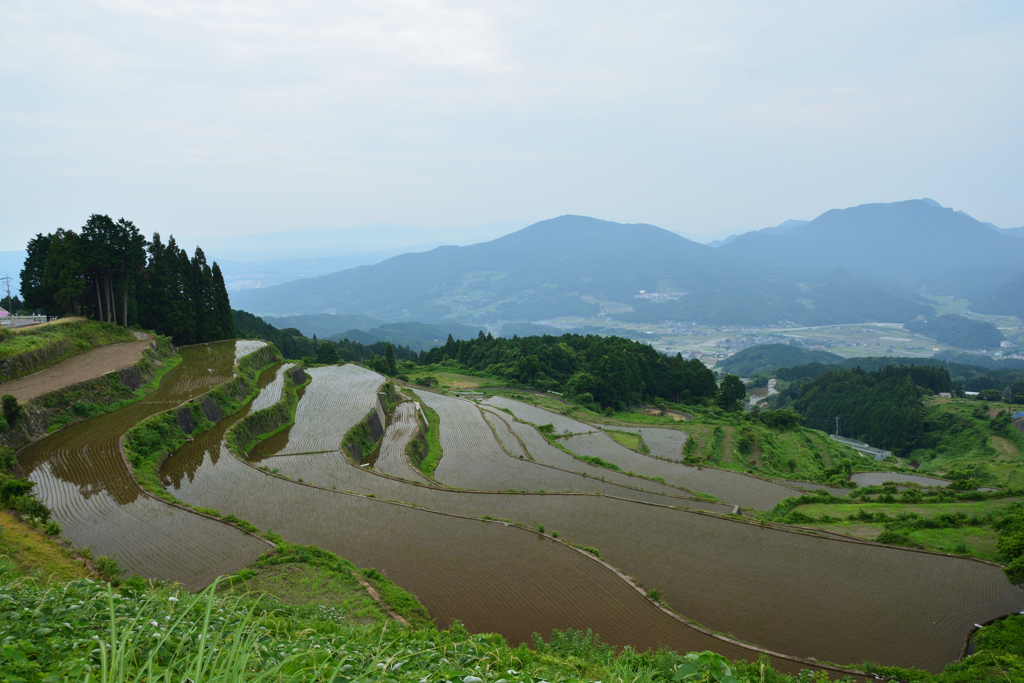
point(544, 453)
point(663, 443)
point(243, 347)
point(812, 486)
point(81, 476)
point(731, 487)
point(392, 459)
point(335, 400)
point(729, 575)
point(879, 478)
point(271, 393)
point(506, 437)
point(538, 416)
point(473, 459)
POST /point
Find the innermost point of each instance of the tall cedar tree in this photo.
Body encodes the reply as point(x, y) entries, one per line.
point(104, 272)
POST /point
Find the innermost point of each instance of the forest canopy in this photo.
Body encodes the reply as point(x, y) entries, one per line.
point(958, 331)
point(110, 272)
point(882, 407)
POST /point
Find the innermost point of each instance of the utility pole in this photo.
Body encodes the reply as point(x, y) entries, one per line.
point(837, 425)
point(7, 280)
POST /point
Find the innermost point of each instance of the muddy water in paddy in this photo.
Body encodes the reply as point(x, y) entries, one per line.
point(491, 576)
point(778, 589)
point(80, 475)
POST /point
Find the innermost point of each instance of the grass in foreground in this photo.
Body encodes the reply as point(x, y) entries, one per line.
point(89, 631)
point(86, 630)
point(27, 551)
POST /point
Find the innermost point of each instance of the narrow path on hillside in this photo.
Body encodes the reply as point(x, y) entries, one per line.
point(83, 367)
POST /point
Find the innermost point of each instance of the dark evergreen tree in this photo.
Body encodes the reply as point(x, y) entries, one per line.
point(327, 353)
point(225, 320)
point(389, 359)
point(64, 277)
point(37, 295)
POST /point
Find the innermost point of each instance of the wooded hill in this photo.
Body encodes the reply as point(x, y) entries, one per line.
point(765, 358)
point(609, 371)
point(574, 265)
point(958, 331)
point(860, 264)
point(882, 407)
point(110, 272)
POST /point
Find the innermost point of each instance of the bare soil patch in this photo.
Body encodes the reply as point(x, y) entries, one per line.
point(83, 367)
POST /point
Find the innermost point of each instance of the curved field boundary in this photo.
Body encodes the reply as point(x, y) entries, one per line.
point(243, 347)
point(739, 576)
point(814, 486)
point(271, 394)
point(879, 478)
point(663, 443)
point(392, 459)
point(483, 573)
point(737, 488)
point(506, 437)
point(81, 368)
point(538, 416)
point(337, 398)
point(473, 459)
point(543, 453)
point(81, 476)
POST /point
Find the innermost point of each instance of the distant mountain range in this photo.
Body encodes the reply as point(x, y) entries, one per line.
point(866, 263)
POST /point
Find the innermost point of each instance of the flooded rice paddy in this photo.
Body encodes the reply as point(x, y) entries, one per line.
point(392, 459)
point(879, 478)
point(788, 592)
point(81, 476)
point(799, 594)
point(663, 443)
point(336, 399)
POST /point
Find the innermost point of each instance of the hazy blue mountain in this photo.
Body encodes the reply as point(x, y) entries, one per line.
point(578, 266)
point(1006, 299)
point(239, 275)
point(767, 358)
point(1013, 232)
point(323, 325)
point(910, 244)
point(417, 336)
point(781, 229)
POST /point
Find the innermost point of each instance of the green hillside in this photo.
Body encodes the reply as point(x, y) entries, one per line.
point(765, 358)
point(572, 266)
point(957, 330)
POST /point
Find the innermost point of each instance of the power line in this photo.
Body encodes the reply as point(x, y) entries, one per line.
point(6, 279)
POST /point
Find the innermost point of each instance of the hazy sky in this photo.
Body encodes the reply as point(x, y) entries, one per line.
point(211, 118)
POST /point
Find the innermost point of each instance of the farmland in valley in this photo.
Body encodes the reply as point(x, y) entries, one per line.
point(731, 576)
point(469, 546)
point(392, 459)
point(583, 439)
point(81, 476)
point(336, 399)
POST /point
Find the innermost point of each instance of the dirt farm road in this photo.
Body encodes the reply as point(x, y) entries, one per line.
point(80, 368)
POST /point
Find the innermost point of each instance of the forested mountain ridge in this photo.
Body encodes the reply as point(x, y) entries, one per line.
point(911, 244)
point(1006, 299)
point(574, 265)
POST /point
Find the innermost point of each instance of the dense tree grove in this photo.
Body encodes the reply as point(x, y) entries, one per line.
point(110, 272)
point(614, 372)
point(882, 407)
point(295, 346)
